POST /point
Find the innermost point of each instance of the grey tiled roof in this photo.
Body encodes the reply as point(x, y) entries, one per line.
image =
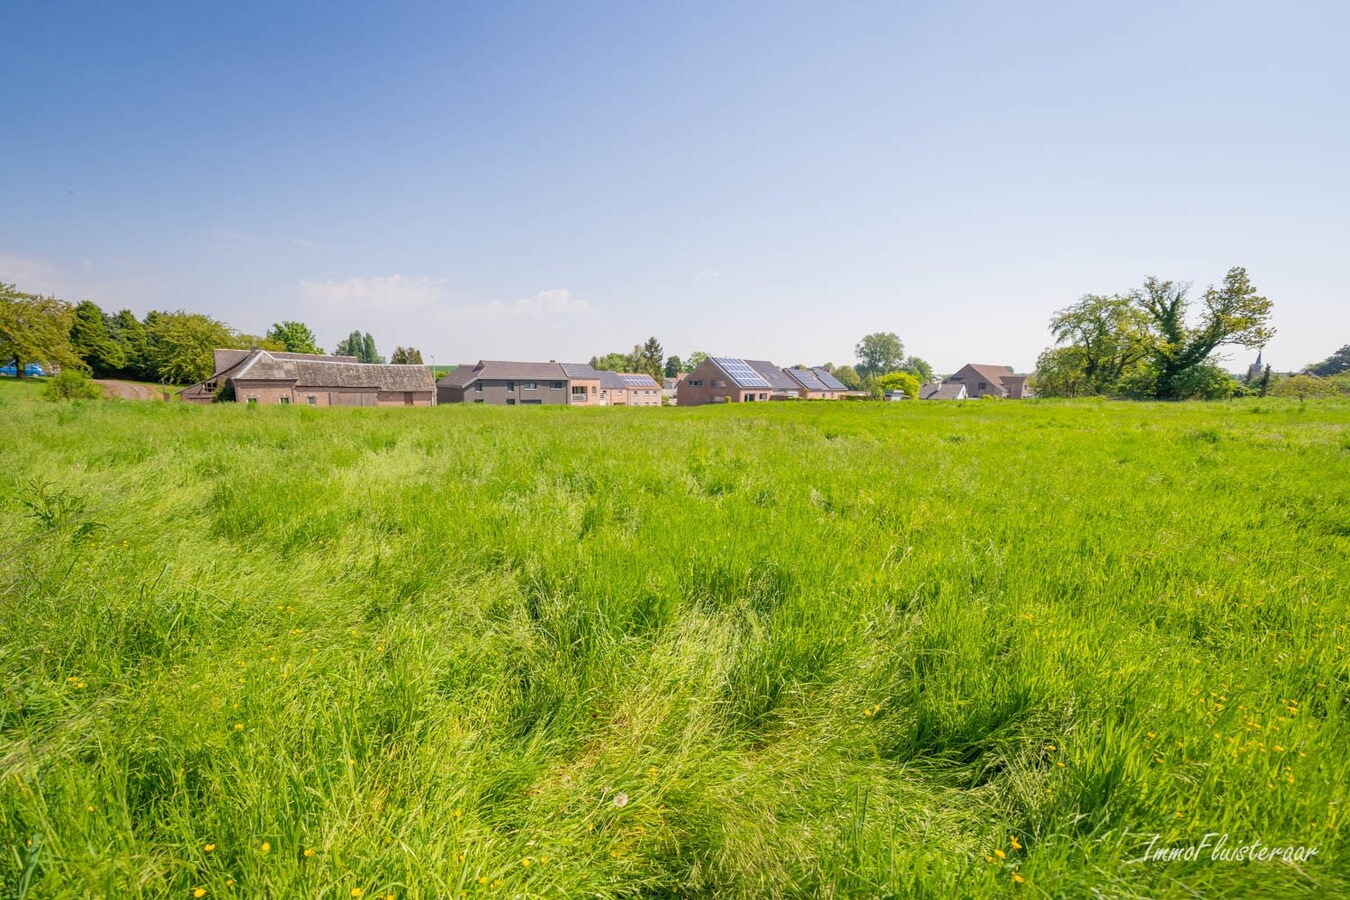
point(775, 376)
point(314, 371)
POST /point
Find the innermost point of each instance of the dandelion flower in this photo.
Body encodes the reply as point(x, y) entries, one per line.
point(266, 847)
point(1017, 877)
point(1012, 838)
point(238, 726)
point(309, 851)
point(483, 880)
point(90, 808)
point(1000, 854)
point(525, 862)
point(80, 685)
point(1052, 748)
point(199, 893)
point(209, 847)
point(620, 800)
point(357, 892)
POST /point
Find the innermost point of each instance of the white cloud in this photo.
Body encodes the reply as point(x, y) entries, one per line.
point(394, 296)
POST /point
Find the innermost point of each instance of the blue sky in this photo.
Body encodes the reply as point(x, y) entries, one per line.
point(769, 180)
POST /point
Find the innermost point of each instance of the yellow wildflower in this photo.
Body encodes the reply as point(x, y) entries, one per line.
point(1017, 877)
point(1000, 854)
point(309, 851)
point(209, 847)
point(199, 893)
point(357, 892)
point(266, 847)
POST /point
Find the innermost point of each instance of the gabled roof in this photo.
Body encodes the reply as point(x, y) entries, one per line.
point(579, 370)
point(638, 380)
point(991, 374)
point(498, 370)
point(316, 371)
point(807, 379)
point(943, 390)
point(611, 381)
point(774, 375)
point(827, 376)
point(740, 371)
point(460, 376)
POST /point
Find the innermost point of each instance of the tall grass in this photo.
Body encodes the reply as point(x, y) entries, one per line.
point(770, 650)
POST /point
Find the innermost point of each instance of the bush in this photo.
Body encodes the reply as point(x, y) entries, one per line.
point(72, 384)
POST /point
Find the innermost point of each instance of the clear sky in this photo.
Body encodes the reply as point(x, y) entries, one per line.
point(770, 180)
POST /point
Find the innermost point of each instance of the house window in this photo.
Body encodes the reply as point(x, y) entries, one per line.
point(695, 382)
point(285, 401)
point(557, 386)
point(478, 388)
point(210, 386)
point(983, 385)
point(593, 390)
point(252, 401)
point(531, 385)
point(510, 386)
point(313, 400)
point(579, 392)
point(478, 400)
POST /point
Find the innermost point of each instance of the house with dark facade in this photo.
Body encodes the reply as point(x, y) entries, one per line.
point(308, 379)
point(983, 380)
point(501, 383)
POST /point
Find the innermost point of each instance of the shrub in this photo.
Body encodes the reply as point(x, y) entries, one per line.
point(72, 384)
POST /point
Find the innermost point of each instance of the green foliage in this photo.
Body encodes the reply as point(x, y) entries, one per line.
point(406, 356)
point(430, 661)
point(899, 381)
point(134, 343)
point(71, 384)
point(674, 366)
point(650, 359)
point(848, 377)
point(94, 342)
point(362, 346)
point(695, 360)
point(181, 345)
point(1334, 364)
point(294, 337)
point(1303, 387)
point(919, 368)
point(880, 353)
point(35, 329)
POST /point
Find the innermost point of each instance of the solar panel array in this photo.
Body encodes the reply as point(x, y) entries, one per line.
point(740, 372)
point(636, 381)
point(809, 380)
point(831, 383)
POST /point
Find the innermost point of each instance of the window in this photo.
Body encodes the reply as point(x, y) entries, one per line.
point(479, 400)
point(252, 401)
point(695, 382)
point(285, 401)
point(210, 386)
point(593, 390)
point(983, 385)
point(510, 401)
point(510, 386)
point(557, 386)
point(531, 385)
point(478, 389)
point(718, 383)
point(579, 392)
point(313, 400)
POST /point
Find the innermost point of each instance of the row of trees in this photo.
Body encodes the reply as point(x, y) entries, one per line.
point(1147, 343)
point(167, 347)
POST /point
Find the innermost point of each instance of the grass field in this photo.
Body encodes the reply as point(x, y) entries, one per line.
point(930, 650)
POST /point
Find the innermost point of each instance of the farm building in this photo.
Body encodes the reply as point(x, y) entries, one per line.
point(498, 383)
point(991, 381)
point(270, 377)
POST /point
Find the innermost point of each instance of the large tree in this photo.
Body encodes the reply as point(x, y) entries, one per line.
point(650, 358)
point(1108, 334)
point(899, 381)
point(35, 329)
point(673, 366)
point(919, 368)
point(94, 341)
point(131, 337)
point(181, 345)
point(294, 336)
point(880, 353)
point(362, 346)
point(406, 356)
point(695, 360)
point(1233, 314)
point(848, 377)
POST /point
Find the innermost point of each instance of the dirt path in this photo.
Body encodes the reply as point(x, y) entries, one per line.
point(126, 390)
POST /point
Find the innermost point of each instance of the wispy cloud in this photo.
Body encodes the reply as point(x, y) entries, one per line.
point(431, 300)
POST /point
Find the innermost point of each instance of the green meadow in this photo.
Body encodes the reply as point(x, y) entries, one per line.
point(800, 650)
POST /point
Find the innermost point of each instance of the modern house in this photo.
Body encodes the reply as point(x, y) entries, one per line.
point(270, 377)
point(501, 383)
point(991, 381)
point(729, 379)
point(943, 390)
point(817, 383)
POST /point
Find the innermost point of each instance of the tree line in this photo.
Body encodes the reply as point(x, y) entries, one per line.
point(170, 347)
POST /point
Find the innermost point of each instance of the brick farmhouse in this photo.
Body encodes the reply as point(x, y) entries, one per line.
point(502, 383)
point(991, 381)
point(729, 379)
point(270, 377)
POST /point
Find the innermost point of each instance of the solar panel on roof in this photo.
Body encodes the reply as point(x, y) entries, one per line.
point(830, 381)
point(638, 380)
point(809, 380)
point(740, 372)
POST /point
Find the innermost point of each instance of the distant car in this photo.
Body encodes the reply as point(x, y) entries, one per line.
point(32, 370)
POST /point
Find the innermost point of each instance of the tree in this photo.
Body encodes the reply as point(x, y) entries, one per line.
point(1109, 336)
point(362, 346)
point(93, 340)
point(181, 345)
point(1334, 364)
point(35, 329)
point(130, 335)
point(1233, 314)
point(294, 336)
point(919, 368)
point(848, 377)
point(368, 352)
point(879, 353)
point(650, 358)
point(611, 362)
point(1060, 373)
point(1302, 387)
point(899, 381)
point(695, 360)
point(673, 366)
point(406, 356)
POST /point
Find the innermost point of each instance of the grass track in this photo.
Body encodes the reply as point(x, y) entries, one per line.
point(821, 649)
